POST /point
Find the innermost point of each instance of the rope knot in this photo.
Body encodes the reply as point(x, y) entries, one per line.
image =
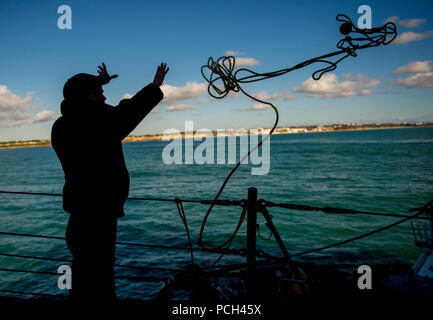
point(222, 79)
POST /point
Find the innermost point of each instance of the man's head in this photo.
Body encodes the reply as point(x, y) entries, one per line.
point(97, 96)
point(84, 87)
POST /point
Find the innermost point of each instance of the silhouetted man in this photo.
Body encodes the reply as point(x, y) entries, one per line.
point(87, 139)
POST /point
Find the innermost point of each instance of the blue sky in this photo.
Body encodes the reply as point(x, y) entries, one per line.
point(388, 83)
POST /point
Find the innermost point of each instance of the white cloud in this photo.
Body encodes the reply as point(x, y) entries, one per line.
point(422, 77)
point(234, 95)
point(201, 101)
point(14, 115)
point(412, 23)
point(231, 95)
point(13, 124)
point(44, 116)
point(127, 96)
point(281, 95)
point(329, 87)
point(180, 107)
point(419, 80)
point(242, 61)
point(18, 118)
point(174, 94)
point(362, 77)
point(16, 111)
point(408, 23)
point(10, 101)
point(246, 62)
point(414, 67)
point(256, 107)
point(154, 111)
point(410, 36)
point(348, 75)
point(232, 53)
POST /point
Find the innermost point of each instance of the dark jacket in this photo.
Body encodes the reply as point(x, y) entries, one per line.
point(87, 139)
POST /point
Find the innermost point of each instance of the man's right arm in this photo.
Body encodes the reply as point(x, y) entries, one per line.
point(130, 112)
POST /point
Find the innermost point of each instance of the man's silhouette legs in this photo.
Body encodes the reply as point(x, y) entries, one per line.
point(92, 243)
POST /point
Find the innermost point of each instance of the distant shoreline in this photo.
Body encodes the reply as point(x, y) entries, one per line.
point(22, 144)
point(279, 130)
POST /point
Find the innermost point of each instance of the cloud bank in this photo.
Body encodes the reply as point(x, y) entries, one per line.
point(256, 107)
point(329, 87)
point(16, 111)
point(174, 94)
point(419, 80)
point(414, 67)
point(180, 107)
point(412, 23)
point(410, 36)
point(422, 75)
point(242, 61)
point(281, 95)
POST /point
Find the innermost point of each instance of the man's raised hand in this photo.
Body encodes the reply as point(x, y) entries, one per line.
point(102, 70)
point(160, 74)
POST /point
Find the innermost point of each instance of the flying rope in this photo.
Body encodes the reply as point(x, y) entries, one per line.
point(223, 78)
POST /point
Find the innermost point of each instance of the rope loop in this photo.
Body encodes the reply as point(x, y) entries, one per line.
point(222, 80)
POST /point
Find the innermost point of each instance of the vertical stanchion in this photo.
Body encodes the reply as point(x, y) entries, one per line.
point(251, 229)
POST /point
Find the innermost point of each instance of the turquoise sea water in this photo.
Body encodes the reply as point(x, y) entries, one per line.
point(375, 170)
